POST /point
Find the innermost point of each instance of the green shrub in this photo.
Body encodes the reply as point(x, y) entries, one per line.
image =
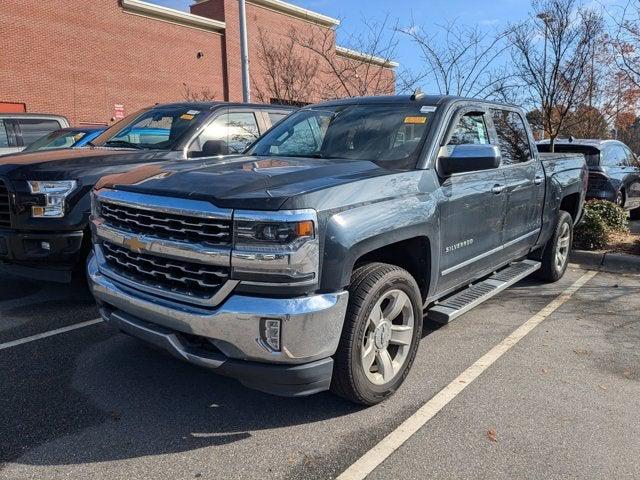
point(614, 217)
point(600, 219)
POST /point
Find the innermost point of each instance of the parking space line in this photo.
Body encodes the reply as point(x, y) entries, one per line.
point(379, 453)
point(50, 333)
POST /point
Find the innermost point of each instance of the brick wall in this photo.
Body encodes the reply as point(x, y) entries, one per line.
point(79, 62)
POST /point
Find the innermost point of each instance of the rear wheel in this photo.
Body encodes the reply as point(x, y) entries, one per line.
point(555, 256)
point(380, 337)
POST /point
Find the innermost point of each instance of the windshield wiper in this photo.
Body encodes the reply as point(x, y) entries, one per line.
point(122, 143)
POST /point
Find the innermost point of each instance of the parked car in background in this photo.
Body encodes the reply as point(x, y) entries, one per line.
point(44, 195)
point(72, 137)
point(308, 263)
point(17, 130)
point(614, 171)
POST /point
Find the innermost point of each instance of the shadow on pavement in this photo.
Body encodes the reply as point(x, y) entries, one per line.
point(120, 399)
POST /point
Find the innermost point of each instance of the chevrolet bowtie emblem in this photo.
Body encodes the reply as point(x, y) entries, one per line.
point(134, 244)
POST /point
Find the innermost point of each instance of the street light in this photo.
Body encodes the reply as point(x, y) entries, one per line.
point(547, 18)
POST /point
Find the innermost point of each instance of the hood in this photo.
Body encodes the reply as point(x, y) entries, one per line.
point(74, 163)
point(242, 182)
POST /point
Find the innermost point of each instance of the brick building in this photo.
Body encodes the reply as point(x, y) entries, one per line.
point(101, 59)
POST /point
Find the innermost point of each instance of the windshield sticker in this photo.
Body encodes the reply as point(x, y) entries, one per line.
point(186, 116)
point(427, 109)
point(193, 112)
point(415, 120)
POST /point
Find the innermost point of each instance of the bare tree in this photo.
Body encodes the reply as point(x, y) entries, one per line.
point(362, 67)
point(287, 75)
point(552, 53)
point(202, 95)
point(461, 60)
point(627, 39)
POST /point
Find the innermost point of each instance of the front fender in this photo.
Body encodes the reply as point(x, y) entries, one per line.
point(355, 232)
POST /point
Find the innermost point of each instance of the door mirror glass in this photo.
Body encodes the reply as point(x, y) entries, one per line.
point(468, 158)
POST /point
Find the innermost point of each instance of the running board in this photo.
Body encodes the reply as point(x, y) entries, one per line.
point(452, 307)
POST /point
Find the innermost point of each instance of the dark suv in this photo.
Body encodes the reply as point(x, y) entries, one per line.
point(44, 196)
point(614, 172)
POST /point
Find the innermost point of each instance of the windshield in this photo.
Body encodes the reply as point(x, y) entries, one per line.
point(380, 133)
point(157, 129)
point(56, 140)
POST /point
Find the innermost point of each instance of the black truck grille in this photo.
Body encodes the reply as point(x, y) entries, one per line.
point(167, 225)
point(177, 276)
point(5, 208)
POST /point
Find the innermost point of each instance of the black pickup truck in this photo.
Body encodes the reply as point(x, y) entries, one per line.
point(45, 196)
point(309, 262)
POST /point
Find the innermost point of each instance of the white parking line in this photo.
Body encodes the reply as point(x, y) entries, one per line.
point(378, 454)
point(50, 333)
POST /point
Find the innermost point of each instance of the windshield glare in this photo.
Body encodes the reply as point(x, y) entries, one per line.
point(158, 129)
point(380, 133)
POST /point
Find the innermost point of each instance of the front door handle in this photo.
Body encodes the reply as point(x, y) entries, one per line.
point(538, 180)
point(498, 189)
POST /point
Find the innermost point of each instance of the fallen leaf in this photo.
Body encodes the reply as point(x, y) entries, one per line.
point(581, 351)
point(492, 435)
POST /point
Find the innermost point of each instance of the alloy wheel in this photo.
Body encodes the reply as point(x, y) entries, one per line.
point(387, 338)
point(564, 244)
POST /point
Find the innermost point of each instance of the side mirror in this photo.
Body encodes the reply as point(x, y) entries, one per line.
point(468, 158)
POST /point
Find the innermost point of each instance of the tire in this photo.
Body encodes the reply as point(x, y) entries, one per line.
point(552, 268)
point(377, 288)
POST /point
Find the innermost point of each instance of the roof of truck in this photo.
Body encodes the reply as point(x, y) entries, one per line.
point(214, 104)
point(421, 99)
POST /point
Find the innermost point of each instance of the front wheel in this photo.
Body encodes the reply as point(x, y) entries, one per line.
point(382, 329)
point(555, 257)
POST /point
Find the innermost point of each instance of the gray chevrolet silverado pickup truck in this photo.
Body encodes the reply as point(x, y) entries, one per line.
point(309, 262)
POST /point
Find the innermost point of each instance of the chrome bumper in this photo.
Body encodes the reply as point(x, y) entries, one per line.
point(311, 325)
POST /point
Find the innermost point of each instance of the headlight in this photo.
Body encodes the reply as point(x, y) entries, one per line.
point(276, 247)
point(55, 194)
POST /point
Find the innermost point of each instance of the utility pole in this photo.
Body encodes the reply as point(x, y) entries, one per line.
point(546, 18)
point(244, 53)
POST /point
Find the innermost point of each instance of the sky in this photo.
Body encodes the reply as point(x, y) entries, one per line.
point(489, 14)
point(492, 15)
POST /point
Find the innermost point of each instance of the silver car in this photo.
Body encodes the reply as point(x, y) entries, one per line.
point(17, 130)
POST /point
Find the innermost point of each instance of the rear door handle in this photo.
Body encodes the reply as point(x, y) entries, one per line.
point(498, 189)
point(538, 180)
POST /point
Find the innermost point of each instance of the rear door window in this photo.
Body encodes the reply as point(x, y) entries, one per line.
point(4, 137)
point(512, 136)
point(34, 128)
point(614, 156)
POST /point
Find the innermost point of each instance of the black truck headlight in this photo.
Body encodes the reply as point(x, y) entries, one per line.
point(275, 247)
point(55, 193)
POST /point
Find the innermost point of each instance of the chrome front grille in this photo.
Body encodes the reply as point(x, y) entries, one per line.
point(166, 225)
point(5, 207)
point(176, 276)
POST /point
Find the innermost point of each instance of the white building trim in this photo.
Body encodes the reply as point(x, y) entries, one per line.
point(365, 57)
point(171, 15)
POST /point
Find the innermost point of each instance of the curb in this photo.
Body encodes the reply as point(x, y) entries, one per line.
point(617, 262)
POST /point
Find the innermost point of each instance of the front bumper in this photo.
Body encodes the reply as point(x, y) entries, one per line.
point(25, 253)
point(227, 339)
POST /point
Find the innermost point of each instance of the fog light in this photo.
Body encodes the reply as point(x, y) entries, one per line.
point(45, 246)
point(270, 332)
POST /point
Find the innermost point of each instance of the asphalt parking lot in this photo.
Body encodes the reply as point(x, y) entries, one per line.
point(562, 402)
